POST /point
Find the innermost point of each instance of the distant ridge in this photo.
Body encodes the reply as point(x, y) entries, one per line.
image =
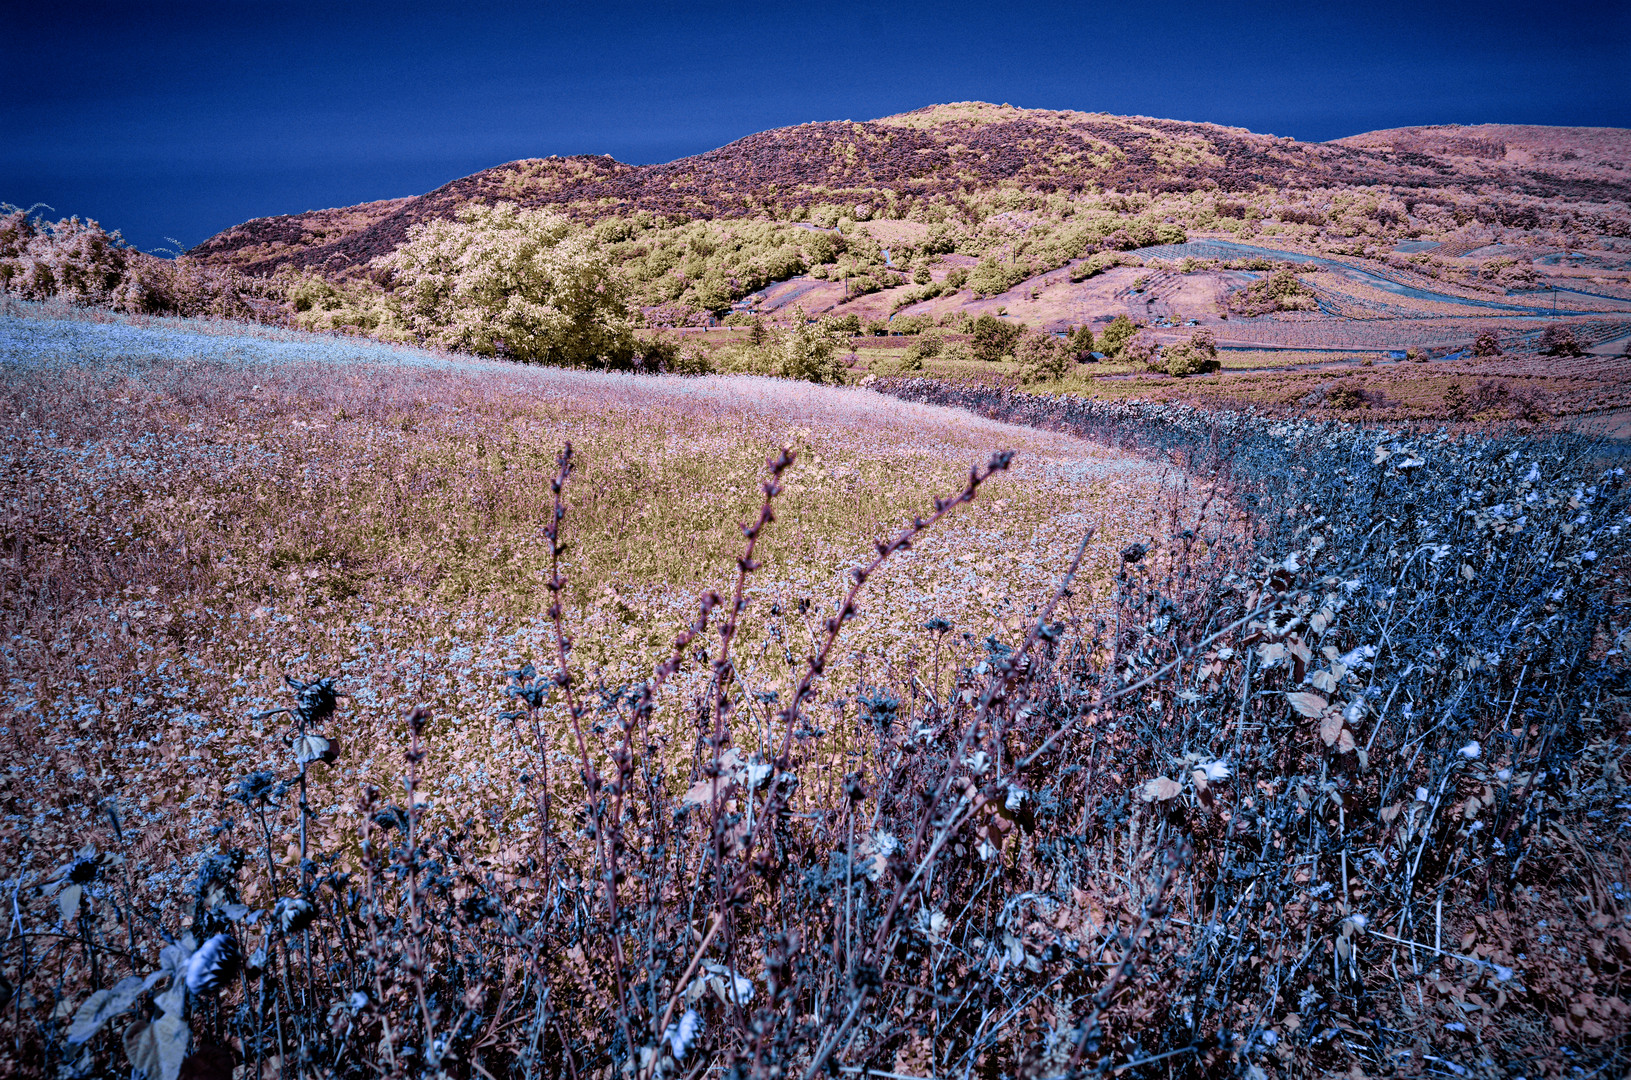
point(947, 149)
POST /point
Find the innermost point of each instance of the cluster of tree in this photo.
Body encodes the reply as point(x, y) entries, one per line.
point(79, 262)
point(807, 351)
point(502, 281)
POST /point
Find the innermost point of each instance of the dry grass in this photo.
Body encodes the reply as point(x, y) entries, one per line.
point(182, 535)
point(1288, 787)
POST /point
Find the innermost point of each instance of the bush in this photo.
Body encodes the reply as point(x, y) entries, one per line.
point(1042, 357)
point(359, 307)
point(1113, 339)
point(1344, 396)
point(1081, 341)
point(993, 338)
point(664, 355)
point(928, 345)
point(1559, 340)
point(502, 281)
point(1486, 344)
point(1196, 356)
point(1142, 348)
point(910, 324)
point(955, 278)
point(992, 276)
point(1280, 291)
point(79, 262)
point(849, 323)
point(808, 352)
point(71, 259)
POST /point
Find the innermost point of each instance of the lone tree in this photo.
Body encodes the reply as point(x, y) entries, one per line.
point(1113, 339)
point(1559, 340)
point(993, 339)
point(1486, 344)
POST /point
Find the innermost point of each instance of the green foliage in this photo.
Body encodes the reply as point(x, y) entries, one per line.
point(1096, 264)
point(993, 338)
point(910, 362)
point(671, 356)
point(926, 347)
point(1113, 339)
point(808, 352)
point(941, 239)
point(910, 324)
point(1196, 356)
point(1042, 357)
point(991, 276)
point(1080, 341)
point(849, 323)
point(346, 307)
point(709, 264)
point(499, 280)
point(956, 278)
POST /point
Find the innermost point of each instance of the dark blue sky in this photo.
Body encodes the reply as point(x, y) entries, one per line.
point(178, 120)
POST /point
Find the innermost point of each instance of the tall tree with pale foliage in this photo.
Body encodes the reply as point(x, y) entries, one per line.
point(502, 281)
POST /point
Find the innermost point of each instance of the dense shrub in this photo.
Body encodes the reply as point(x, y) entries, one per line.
point(502, 281)
point(1487, 343)
point(808, 352)
point(79, 262)
point(1559, 340)
point(72, 259)
point(1196, 356)
point(992, 276)
point(910, 324)
point(1096, 264)
point(1042, 357)
point(317, 303)
point(1280, 291)
point(848, 323)
point(1113, 338)
point(673, 356)
point(993, 338)
point(1142, 348)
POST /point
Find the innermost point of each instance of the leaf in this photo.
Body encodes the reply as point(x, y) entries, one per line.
point(1161, 789)
point(1323, 680)
point(731, 769)
point(68, 902)
point(157, 1049)
point(1271, 653)
point(1331, 728)
point(1390, 812)
point(1310, 705)
point(727, 981)
point(1345, 742)
point(310, 748)
point(103, 1006)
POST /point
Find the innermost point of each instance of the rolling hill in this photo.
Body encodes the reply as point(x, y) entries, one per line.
point(945, 151)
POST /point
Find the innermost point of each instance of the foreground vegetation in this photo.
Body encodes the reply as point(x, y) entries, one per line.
point(1322, 771)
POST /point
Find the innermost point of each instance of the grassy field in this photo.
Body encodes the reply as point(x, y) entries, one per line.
point(1314, 763)
point(186, 529)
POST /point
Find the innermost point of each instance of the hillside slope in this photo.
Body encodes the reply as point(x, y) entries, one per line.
point(945, 150)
